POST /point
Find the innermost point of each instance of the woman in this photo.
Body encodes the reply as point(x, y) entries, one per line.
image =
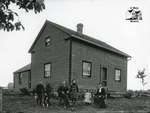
point(100, 96)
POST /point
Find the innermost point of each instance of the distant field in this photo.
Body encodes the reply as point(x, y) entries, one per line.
point(27, 104)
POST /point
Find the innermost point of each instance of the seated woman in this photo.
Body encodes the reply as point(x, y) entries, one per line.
point(100, 96)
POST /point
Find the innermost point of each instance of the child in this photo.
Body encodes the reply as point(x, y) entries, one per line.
point(87, 97)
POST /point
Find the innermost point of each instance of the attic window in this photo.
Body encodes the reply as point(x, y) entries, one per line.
point(47, 41)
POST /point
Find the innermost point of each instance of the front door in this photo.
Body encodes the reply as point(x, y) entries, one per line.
point(104, 76)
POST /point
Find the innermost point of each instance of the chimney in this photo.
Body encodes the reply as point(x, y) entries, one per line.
point(80, 28)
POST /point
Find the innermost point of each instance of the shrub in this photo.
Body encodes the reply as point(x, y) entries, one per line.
point(129, 94)
point(24, 91)
point(10, 92)
point(81, 96)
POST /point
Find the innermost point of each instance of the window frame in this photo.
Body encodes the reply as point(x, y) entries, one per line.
point(85, 76)
point(47, 44)
point(115, 74)
point(50, 70)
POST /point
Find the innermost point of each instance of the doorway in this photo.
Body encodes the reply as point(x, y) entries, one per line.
point(103, 77)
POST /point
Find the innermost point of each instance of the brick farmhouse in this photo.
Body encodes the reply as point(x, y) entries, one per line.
point(59, 54)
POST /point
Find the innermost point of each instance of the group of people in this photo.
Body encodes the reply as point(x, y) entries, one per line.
point(68, 95)
point(43, 94)
point(65, 93)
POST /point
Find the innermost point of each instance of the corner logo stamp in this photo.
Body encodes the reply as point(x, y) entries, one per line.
point(134, 14)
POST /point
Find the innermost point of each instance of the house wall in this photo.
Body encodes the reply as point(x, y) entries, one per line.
point(99, 58)
point(24, 80)
point(57, 54)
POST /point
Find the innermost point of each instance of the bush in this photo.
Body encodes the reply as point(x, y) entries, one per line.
point(10, 92)
point(129, 94)
point(81, 96)
point(24, 91)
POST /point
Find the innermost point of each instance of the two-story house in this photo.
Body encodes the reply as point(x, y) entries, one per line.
point(59, 54)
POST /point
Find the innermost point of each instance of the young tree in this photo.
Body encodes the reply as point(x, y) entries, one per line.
point(141, 75)
point(8, 21)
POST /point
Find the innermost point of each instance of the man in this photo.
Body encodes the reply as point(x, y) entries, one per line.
point(48, 94)
point(63, 93)
point(73, 91)
point(100, 96)
point(40, 93)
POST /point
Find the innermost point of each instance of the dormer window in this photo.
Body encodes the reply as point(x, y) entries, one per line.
point(47, 41)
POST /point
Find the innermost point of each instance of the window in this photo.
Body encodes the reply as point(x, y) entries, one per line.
point(20, 78)
point(47, 41)
point(47, 70)
point(117, 75)
point(86, 67)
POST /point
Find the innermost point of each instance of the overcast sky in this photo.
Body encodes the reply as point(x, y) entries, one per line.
point(102, 19)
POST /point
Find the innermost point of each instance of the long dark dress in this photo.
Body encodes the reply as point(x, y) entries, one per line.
point(100, 97)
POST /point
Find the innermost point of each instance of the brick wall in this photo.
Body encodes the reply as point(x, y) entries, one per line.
point(57, 54)
point(24, 80)
point(99, 58)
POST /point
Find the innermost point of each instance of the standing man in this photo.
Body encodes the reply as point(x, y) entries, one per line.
point(48, 91)
point(40, 93)
point(63, 92)
point(73, 91)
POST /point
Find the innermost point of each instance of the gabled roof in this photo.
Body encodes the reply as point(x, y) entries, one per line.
point(25, 68)
point(82, 37)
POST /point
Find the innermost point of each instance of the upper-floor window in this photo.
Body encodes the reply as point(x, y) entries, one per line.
point(47, 70)
point(86, 69)
point(47, 41)
point(117, 75)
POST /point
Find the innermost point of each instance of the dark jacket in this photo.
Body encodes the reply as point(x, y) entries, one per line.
point(101, 92)
point(40, 89)
point(63, 90)
point(74, 88)
point(48, 89)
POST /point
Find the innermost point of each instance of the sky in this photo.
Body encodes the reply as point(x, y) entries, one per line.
point(102, 19)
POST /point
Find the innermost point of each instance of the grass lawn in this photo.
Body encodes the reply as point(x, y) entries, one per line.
point(27, 104)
